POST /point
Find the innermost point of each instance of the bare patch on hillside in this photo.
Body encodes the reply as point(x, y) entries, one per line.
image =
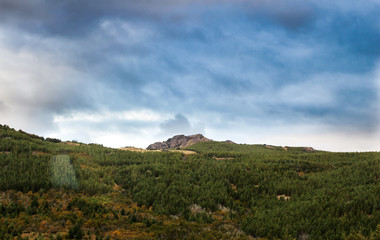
point(196, 209)
point(301, 174)
point(133, 149)
point(283, 196)
point(70, 143)
point(36, 153)
point(223, 158)
point(186, 152)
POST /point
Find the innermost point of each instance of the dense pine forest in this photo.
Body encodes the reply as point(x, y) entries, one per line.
point(68, 190)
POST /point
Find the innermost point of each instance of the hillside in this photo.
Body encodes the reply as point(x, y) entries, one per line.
point(68, 190)
point(228, 148)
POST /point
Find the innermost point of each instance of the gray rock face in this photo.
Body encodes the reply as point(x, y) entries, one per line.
point(178, 141)
point(157, 145)
point(309, 149)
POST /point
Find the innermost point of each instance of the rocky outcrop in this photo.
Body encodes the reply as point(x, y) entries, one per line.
point(178, 141)
point(157, 145)
point(309, 149)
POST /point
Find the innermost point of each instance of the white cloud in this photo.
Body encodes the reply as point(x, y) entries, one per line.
point(143, 115)
point(113, 129)
point(35, 85)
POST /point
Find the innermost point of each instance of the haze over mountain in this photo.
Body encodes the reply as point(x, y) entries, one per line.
point(135, 72)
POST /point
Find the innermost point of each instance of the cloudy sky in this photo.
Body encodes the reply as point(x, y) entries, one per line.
point(129, 73)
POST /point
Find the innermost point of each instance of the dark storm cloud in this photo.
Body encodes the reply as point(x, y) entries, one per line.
point(62, 18)
point(77, 18)
point(292, 15)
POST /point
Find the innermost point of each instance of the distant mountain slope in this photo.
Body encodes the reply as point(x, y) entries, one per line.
point(220, 147)
point(178, 141)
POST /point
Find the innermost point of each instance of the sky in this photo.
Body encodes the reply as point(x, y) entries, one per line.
point(130, 73)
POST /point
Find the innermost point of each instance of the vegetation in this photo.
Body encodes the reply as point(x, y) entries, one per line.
point(69, 190)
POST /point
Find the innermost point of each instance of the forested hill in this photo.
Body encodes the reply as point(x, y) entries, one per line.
point(68, 190)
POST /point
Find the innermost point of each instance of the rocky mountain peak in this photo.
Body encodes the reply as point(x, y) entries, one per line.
point(178, 141)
